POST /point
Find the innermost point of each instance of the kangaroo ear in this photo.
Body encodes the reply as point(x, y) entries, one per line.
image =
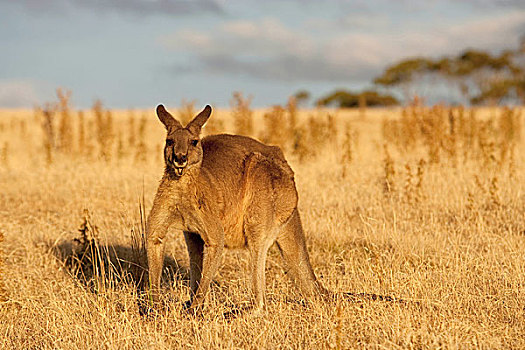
point(197, 123)
point(167, 119)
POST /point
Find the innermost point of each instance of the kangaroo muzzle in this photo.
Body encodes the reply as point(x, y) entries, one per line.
point(179, 163)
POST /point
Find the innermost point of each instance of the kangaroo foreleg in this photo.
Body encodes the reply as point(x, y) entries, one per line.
point(156, 228)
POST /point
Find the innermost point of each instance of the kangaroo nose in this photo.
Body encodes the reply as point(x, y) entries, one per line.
point(181, 158)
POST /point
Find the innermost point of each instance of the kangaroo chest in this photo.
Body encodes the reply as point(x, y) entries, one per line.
point(187, 215)
point(191, 212)
point(184, 209)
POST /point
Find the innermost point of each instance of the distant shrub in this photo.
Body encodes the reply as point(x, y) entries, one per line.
point(65, 130)
point(104, 126)
point(347, 99)
point(186, 111)
point(242, 114)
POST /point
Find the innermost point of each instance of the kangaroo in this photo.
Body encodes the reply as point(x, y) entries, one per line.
point(226, 191)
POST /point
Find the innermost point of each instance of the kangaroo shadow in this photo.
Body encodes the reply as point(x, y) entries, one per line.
point(97, 266)
point(237, 311)
point(100, 267)
point(356, 297)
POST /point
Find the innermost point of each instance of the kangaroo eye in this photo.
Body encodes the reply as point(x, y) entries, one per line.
point(169, 142)
point(194, 142)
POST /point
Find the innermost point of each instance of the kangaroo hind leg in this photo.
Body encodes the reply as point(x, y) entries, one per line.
point(195, 246)
point(292, 245)
point(259, 241)
point(261, 177)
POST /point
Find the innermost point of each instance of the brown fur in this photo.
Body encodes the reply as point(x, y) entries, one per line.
point(226, 191)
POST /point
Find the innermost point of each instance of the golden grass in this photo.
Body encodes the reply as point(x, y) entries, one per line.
point(438, 221)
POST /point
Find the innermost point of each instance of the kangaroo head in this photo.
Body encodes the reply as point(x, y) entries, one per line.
point(183, 149)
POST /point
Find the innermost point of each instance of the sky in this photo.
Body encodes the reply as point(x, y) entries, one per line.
point(139, 53)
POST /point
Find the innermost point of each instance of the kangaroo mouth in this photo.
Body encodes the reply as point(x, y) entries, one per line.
point(178, 169)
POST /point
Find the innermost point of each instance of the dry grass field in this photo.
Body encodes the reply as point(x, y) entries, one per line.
point(423, 205)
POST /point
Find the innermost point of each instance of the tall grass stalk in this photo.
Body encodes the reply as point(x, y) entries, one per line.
point(3, 290)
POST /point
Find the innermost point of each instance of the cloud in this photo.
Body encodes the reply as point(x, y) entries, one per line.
point(262, 37)
point(138, 7)
point(268, 49)
point(500, 3)
point(265, 49)
point(161, 7)
point(287, 68)
point(17, 93)
point(493, 33)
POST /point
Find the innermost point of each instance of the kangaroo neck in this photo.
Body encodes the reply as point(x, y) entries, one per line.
point(187, 187)
point(188, 178)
